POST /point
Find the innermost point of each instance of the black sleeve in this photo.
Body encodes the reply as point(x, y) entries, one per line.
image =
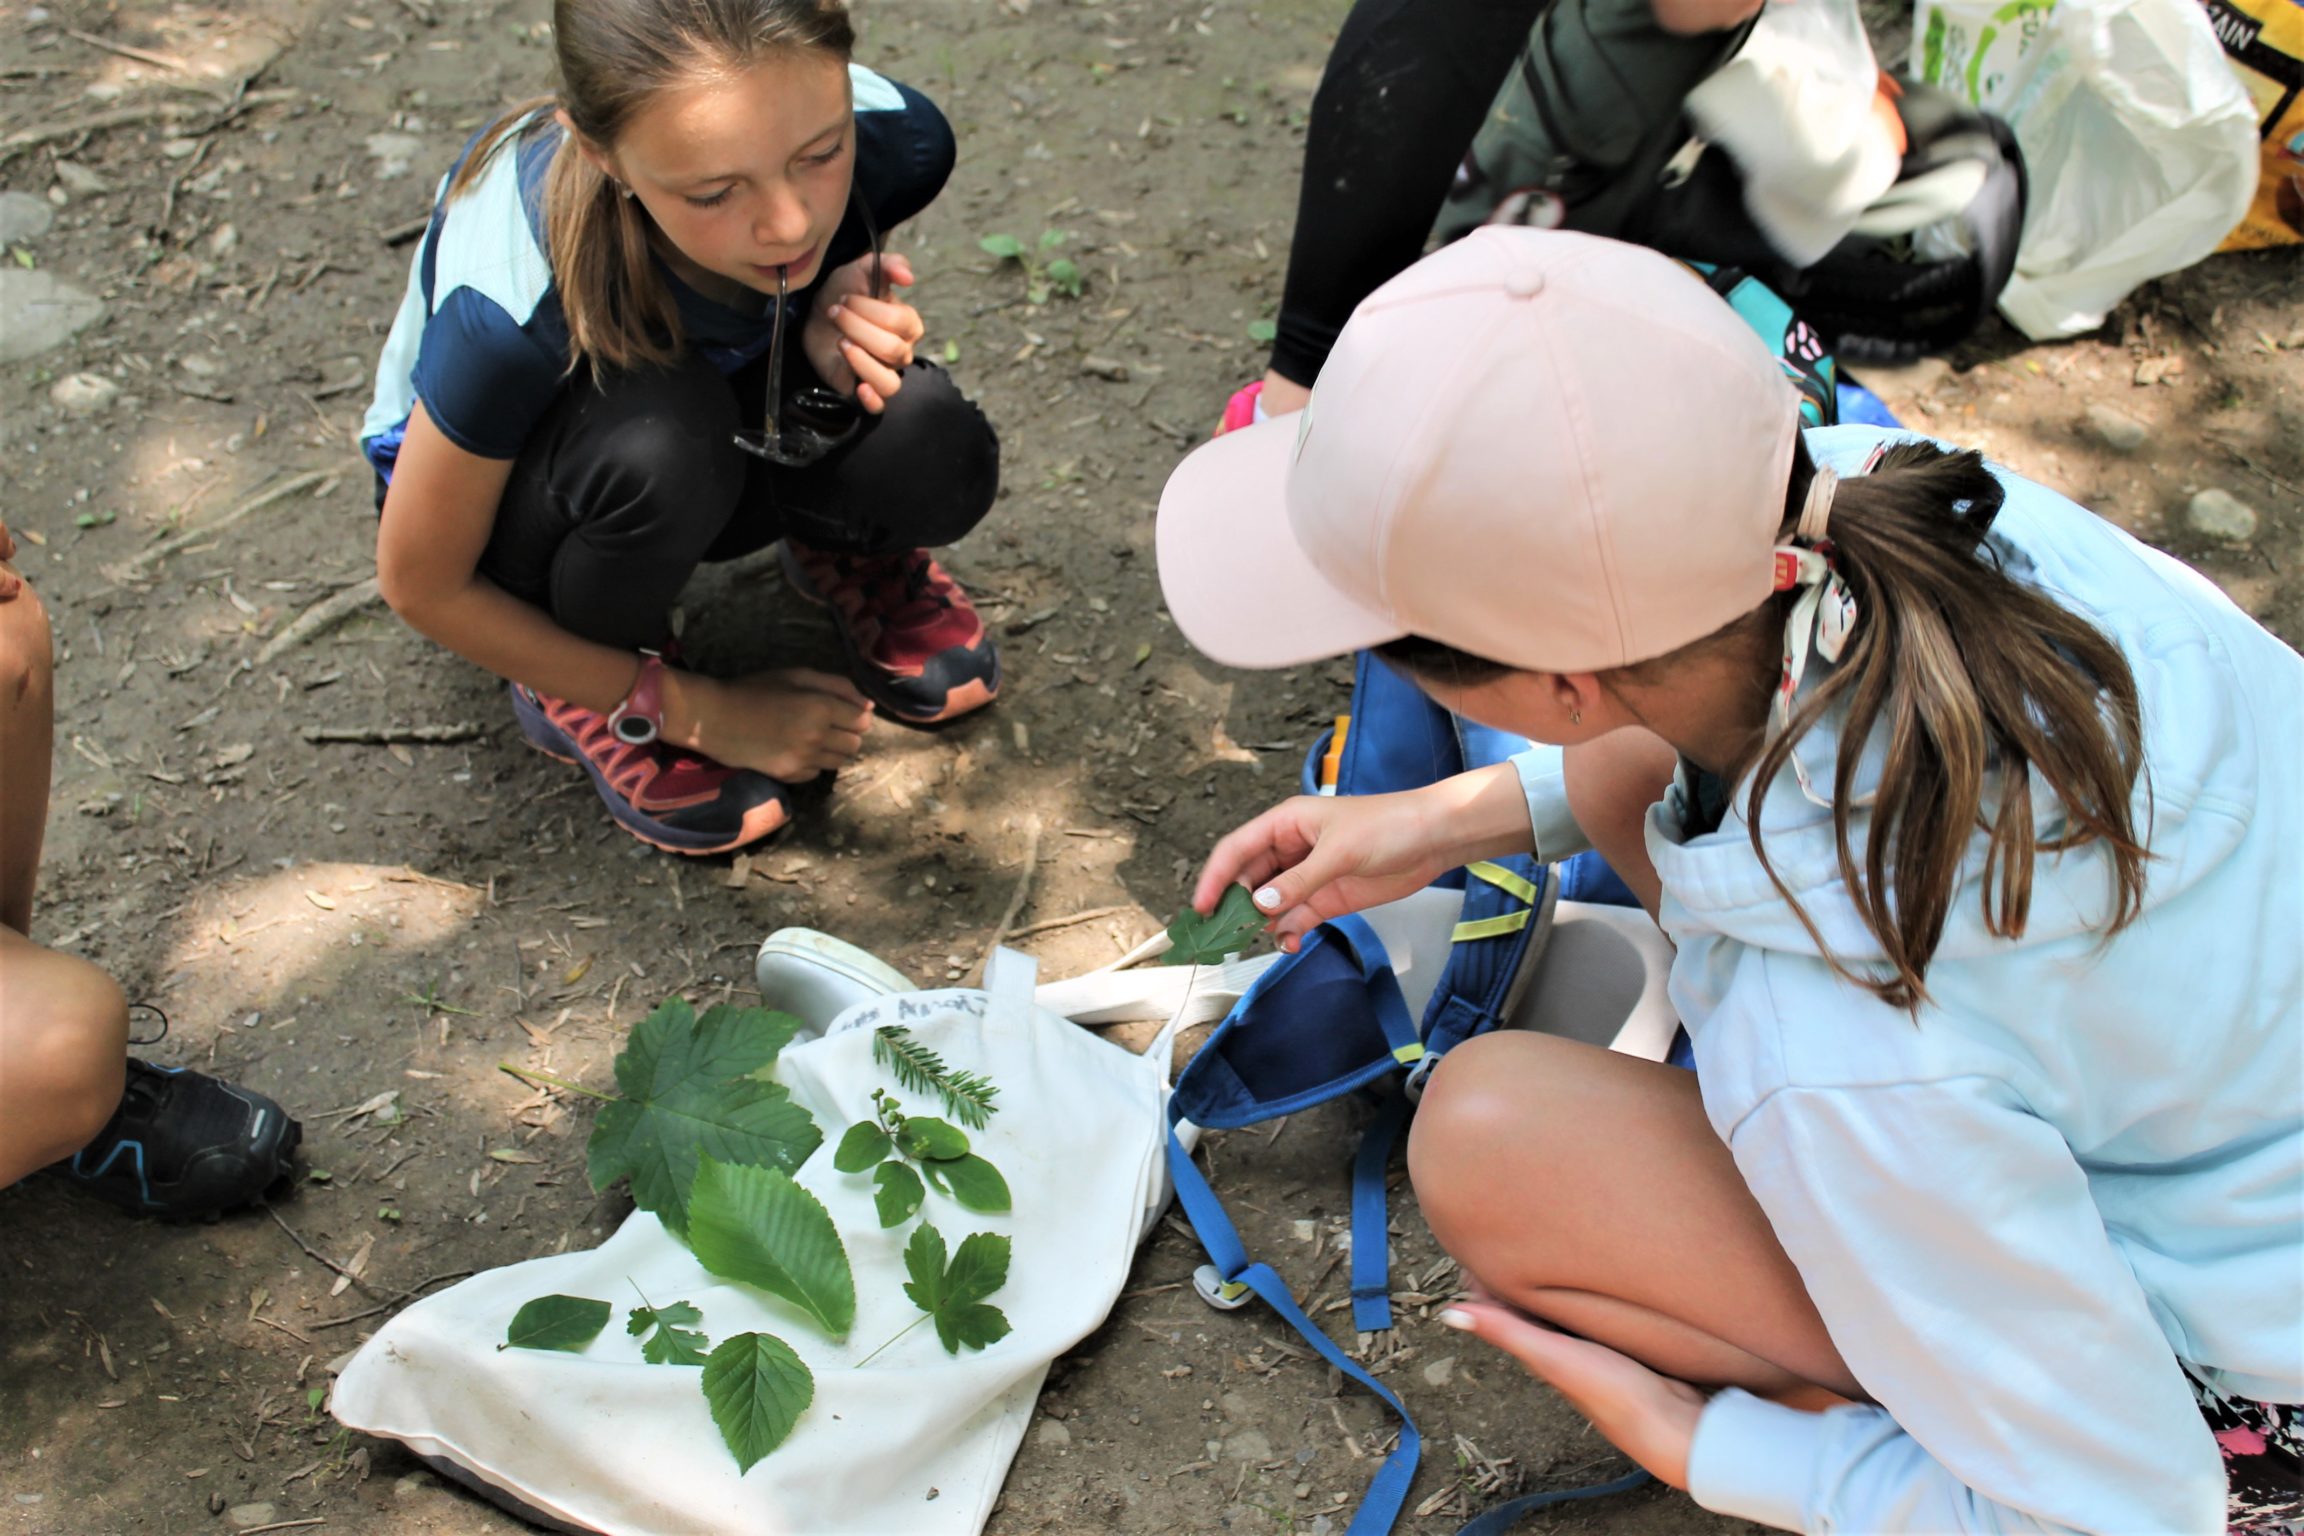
point(1406, 88)
point(904, 156)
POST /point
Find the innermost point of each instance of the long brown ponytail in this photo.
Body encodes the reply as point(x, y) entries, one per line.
point(1975, 683)
point(614, 55)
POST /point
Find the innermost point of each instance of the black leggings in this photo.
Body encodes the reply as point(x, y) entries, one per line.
point(626, 485)
point(1407, 86)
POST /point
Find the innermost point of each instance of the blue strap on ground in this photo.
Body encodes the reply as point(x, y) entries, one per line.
point(1371, 1226)
point(1496, 1521)
point(1388, 1490)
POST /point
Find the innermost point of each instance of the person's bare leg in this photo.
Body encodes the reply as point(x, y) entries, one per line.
point(27, 736)
point(63, 1054)
point(1587, 1188)
point(1611, 782)
point(63, 1023)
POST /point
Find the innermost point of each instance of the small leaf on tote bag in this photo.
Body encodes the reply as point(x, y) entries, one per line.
point(667, 1335)
point(953, 1296)
point(758, 1389)
point(931, 1139)
point(556, 1322)
point(864, 1145)
point(897, 1193)
point(976, 1184)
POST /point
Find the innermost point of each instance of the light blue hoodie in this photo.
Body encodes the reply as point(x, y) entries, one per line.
point(2080, 1171)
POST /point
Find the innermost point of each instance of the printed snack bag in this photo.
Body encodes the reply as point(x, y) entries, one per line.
point(2265, 41)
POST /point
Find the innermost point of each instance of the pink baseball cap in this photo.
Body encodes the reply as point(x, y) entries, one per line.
point(1551, 450)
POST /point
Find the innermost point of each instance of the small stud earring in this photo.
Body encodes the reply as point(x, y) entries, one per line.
point(627, 191)
point(1575, 717)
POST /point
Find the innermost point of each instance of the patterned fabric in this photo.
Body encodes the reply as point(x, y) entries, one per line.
point(2263, 1459)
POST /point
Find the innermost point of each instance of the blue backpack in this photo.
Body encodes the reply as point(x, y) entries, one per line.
point(1331, 1019)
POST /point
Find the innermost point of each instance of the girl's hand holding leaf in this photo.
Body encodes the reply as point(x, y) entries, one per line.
point(858, 344)
point(1317, 857)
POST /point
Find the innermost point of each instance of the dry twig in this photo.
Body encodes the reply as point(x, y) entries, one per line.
point(387, 735)
point(1015, 901)
point(134, 567)
point(318, 619)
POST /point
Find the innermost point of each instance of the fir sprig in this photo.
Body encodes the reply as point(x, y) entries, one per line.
point(967, 1096)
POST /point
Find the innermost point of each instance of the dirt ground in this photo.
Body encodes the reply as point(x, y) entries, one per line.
point(335, 923)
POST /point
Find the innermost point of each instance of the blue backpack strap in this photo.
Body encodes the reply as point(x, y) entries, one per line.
point(1371, 1220)
point(1507, 905)
point(1504, 1516)
point(1388, 1490)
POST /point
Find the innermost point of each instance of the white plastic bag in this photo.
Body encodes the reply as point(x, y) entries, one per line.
point(917, 1441)
point(2139, 143)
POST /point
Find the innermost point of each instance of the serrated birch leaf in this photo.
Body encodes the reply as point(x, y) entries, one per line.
point(932, 1140)
point(666, 1335)
point(757, 1226)
point(976, 1184)
point(556, 1322)
point(953, 1296)
point(687, 1097)
point(864, 1145)
point(896, 1193)
point(1231, 928)
point(758, 1389)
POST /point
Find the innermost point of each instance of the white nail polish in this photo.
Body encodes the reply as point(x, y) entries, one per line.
point(1456, 1317)
point(1268, 898)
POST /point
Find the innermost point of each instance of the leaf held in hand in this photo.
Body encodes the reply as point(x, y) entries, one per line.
point(1231, 928)
point(932, 1140)
point(687, 1096)
point(976, 1184)
point(556, 1322)
point(897, 1193)
point(667, 1335)
point(758, 1389)
point(864, 1145)
point(953, 1295)
point(757, 1226)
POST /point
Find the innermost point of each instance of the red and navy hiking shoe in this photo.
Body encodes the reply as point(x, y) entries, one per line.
point(914, 642)
point(674, 800)
point(184, 1147)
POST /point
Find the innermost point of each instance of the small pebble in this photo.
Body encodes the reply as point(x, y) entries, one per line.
point(1051, 1435)
point(80, 181)
point(1440, 1371)
point(2120, 432)
point(2221, 515)
point(241, 1516)
point(84, 394)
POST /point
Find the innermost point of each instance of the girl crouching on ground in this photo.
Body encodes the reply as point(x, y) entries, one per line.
point(651, 325)
point(1975, 824)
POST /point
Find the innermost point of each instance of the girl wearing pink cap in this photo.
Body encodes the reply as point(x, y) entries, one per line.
point(1974, 823)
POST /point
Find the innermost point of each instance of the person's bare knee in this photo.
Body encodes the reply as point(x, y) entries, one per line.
point(63, 1055)
point(1494, 1101)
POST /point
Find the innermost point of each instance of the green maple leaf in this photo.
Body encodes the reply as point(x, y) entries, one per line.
point(556, 1322)
point(757, 1226)
point(758, 1389)
point(1231, 928)
point(953, 1294)
point(896, 1193)
point(666, 1334)
point(689, 1095)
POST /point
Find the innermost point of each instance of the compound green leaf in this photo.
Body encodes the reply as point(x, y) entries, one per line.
point(864, 1145)
point(758, 1389)
point(953, 1295)
point(1231, 928)
point(897, 1192)
point(976, 1184)
point(931, 1139)
point(666, 1334)
point(556, 1322)
point(688, 1095)
point(757, 1226)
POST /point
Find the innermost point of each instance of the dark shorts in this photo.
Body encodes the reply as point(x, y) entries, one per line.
point(2263, 1462)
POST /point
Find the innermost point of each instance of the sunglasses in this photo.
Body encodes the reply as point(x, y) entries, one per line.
point(818, 419)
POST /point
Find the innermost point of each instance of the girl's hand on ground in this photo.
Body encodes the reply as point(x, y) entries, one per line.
point(858, 344)
point(1316, 857)
point(1650, 1418)
point(790, 724)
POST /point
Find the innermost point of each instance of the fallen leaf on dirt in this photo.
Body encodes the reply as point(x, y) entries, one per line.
point(575, 973)
point(355, 1267)
point(513, 1155)
point(322, 902)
